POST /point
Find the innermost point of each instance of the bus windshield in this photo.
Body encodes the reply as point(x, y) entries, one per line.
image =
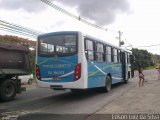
point(59, 45)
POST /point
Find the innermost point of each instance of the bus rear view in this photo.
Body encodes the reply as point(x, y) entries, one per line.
point(57, 63)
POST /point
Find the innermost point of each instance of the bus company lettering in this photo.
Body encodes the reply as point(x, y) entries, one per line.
point(57, 66)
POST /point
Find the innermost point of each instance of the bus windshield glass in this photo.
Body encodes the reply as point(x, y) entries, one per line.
point(60, 45)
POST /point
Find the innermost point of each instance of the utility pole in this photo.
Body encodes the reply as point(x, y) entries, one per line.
point(119, 38)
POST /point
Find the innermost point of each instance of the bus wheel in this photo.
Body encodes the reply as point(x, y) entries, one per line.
point(7, 90)
point(108, 85)
point(126, 81)
point(75, 90)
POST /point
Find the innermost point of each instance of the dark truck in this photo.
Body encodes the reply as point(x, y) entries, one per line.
point(14, 61)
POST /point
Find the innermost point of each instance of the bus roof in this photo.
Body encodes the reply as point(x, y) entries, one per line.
point(85, 35)
point(58, 33)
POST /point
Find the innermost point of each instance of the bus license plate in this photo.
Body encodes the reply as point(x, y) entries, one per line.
point(56, 78)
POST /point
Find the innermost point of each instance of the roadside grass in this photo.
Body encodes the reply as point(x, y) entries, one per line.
point(153, 67)
point(150, 68)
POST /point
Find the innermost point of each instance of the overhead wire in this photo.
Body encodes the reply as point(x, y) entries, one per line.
point(16, 32)
point(14, 28)
point(25, 29)
point(60, 9)
point(72, 15)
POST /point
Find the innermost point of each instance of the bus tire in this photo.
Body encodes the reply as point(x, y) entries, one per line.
point(108, 84)
point(75, 90)
point(7, 90)
point(129, 75)
point(126, 81)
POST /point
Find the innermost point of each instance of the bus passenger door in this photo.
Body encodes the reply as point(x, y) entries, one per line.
point(123, 65)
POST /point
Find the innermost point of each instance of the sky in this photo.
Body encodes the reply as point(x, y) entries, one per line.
point(138, 20)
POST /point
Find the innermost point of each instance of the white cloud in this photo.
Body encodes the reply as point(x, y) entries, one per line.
point(103, 12)
point(29, 5)
point(139, 28)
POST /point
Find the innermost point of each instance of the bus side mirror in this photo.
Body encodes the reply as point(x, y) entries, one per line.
point(86, 54)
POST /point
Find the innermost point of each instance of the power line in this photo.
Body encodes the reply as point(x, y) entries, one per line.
point(78, 17)
point(72, 15)
point(25, 29)
point(15, 31)
point(9, 28)
point(14, 28)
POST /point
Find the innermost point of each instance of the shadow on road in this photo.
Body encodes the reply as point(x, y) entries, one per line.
point(79, 95)
point(38, 108)
point(68, 95)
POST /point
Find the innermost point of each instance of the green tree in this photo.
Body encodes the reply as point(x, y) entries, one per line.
point(144, 59)
point(8, 39)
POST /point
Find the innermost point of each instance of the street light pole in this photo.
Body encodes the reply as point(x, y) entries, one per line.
point(119, 38)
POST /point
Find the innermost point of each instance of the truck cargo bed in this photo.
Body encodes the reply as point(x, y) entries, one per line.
point(14, 60)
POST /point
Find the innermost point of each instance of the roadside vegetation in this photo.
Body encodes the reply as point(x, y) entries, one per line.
point(145, 59)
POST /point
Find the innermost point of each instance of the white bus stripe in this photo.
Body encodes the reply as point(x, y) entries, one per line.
point(98, 68)
point(117, 78)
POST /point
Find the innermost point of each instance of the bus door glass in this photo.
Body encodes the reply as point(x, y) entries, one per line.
point(123, 58)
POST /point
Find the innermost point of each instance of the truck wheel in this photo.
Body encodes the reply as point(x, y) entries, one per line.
point(108, 85)
point(7, 90)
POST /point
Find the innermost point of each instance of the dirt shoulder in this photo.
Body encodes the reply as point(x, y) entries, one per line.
point(138, 100)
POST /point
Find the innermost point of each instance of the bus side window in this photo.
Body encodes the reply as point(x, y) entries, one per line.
point(108, 53)
point(128, 60)
point(118, 56)
point(115, 55)
point(126, 57)
point(99, 52)
point(89, 50)
point(112, 55)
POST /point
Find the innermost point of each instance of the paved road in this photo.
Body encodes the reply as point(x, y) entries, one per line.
point(40, 104)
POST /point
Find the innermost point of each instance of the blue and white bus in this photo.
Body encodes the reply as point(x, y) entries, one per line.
point(72, 60)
